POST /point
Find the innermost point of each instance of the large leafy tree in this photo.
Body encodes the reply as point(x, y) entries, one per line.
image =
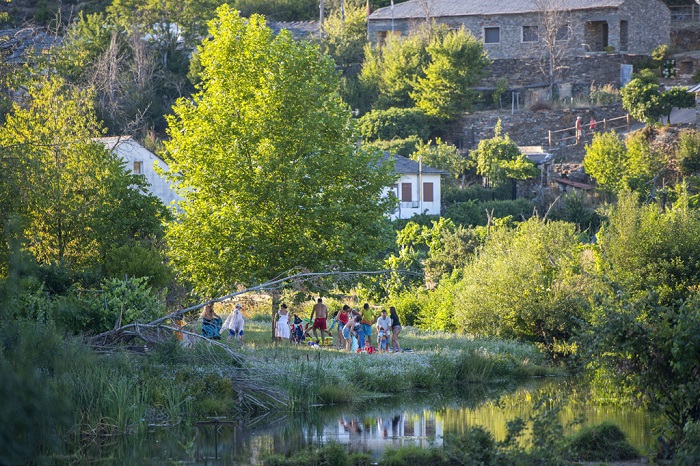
point(457, 63)
point(606, 160)
point(75, 200)
point(267, 161)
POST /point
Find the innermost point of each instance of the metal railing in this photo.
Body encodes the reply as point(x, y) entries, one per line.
point(568, 136)
point(685, 13)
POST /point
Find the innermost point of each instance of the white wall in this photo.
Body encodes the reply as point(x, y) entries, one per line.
point(130, 151)
point(417, 205)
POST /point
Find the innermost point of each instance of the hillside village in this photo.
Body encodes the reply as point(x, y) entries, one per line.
point(515, 183)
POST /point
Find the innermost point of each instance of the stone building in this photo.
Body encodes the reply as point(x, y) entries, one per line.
point(514, 28)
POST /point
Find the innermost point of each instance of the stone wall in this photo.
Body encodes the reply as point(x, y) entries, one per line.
point(527, 128)
point(579, 71)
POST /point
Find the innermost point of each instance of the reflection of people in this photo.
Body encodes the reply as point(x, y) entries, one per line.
point(579, 129)
point(282, 323)
point(234, 323)
point(320, 311)
point(211, 322)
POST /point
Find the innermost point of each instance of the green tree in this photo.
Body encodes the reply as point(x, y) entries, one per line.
point(643, 100)
point(606, 160)
point(530, 282)
point(500, 159)
point(344, 39)
point(644, 164)
point(443, 156)
point(457, 62)
point(266, 159)
point(391, 70)
point(688, 153)
point(677, 97)
point(75, 199)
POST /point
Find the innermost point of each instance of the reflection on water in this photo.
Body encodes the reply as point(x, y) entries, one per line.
point(367, 426)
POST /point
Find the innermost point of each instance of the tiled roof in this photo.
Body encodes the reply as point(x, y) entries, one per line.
point(299, 29)
point(442, 8)
point(406, 166)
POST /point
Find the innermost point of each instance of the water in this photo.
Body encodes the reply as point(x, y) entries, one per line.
point(370, 425)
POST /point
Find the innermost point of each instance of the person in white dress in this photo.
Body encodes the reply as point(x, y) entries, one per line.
point(234, 323)
point(282, 325)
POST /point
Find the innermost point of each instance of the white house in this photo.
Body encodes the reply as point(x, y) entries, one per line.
point(417, 189)
point(141, 161)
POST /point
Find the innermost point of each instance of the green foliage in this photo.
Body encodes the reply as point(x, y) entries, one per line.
point(604, 94)
point(344, 39)
point(642, 248)
point(474, 213)
point(475, 446)
point(394, 123)
point(413, 455)
point(499, 159)
point(432, 69)
point(392, 69)
point(601, 442)
point(457, 62)
point(266, 159)
point(575, 211)
point(529, 283)
point(677, 97)
point(278, 10)
point(74, 199)
point(688, 153)
point(450, 252)
point(643, 164)
point(644, 101)
point(654, 349)
point(452, 195)
point(404, 147)
point(660, 53)
point(443, 156)
point(606, 160)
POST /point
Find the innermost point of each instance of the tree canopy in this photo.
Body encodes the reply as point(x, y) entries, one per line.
point(266, 158)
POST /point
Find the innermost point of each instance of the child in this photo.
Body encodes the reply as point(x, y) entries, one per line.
point(348, 330)
point(357, 329)
point(383, 331)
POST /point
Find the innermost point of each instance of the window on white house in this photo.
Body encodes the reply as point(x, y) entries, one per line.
point(492, 35)
point(427, 192)
point(406, 192)
point(138, 168)
point(530, 34)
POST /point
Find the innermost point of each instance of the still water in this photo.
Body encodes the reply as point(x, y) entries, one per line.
point(371, 425)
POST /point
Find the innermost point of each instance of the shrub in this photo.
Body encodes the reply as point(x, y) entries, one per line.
point(475, 193)
point(602, 442)
point(393, 123)
point(413, 455)
point(404, 147)
point(473, 213)
point(604, 95)
point(475, 446)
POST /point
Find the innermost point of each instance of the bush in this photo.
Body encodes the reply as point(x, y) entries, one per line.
point(404, 147)
point(394, 123)
point(602, 442)
point(473, 213)
point(414, 456)
point(476, 446)
point(474, 193)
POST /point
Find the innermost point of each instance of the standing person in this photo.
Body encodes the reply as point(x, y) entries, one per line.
point(343, 317)
point(321, 312)
point(282, 323)
point(211, 322)
point(383, 331)
point(592, 124)
point(579, 129)
point(367, 322)
point(348, 330)
point(395, 329)
point(234, 323)
point(357, 331)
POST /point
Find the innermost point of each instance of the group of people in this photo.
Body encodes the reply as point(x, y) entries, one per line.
point(212, 324)
point(579, 127)
point(355, 328)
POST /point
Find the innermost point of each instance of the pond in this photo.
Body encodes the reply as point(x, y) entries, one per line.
point(370, 425)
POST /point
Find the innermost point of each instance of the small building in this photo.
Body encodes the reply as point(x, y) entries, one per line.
point(417, 189)
point(141, 161)
point(512, 29)
point(543, 161)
